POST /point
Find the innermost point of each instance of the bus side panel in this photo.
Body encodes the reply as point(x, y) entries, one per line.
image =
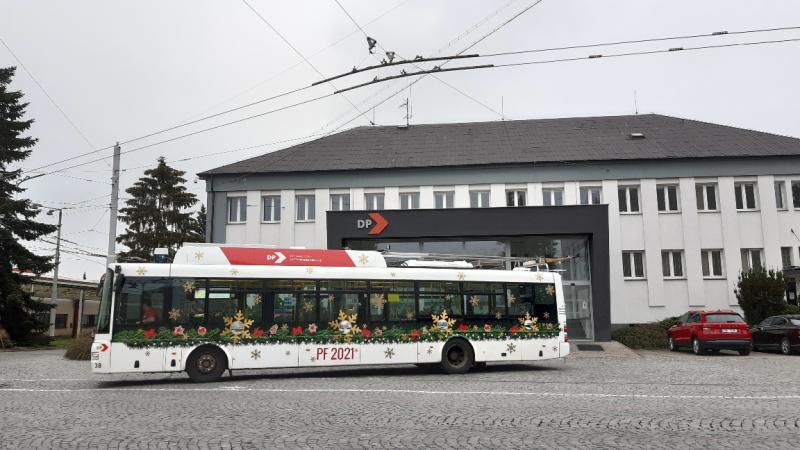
point(329, 354)
point(539, 349)
point(261, 356)
point(510, 350)
point(429, 352)
point(389, 353)
point(127, 359)
point(172, 359)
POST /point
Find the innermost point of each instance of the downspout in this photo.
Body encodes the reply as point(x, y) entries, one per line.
point(210, 212)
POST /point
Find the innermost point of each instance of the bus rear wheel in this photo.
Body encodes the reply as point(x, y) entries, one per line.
point(206, 364)
point(457, 356)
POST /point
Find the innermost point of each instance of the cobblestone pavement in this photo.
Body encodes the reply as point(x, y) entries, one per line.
point(647, 400)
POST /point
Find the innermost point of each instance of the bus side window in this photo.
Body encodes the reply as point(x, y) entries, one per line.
point(140, 304)
point(520, 299)
point(545, 302)
point(438, 296)
point(188, 302)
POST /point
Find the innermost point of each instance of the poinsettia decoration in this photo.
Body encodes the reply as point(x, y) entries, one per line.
point(150, 334)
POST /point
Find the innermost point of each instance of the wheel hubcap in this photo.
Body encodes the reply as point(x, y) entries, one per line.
point(785, 346)
point(456, 356)
point(696, 346)
point(206, 363)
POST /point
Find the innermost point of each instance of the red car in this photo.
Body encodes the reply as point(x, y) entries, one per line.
point(710, 331)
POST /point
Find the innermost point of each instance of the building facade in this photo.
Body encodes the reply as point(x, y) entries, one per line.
point(76, 306)
point(647, 215)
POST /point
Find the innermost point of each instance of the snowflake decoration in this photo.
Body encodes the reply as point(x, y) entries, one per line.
point(363, 259)
point(528, 322)
point(511, 347)
point(388, 353)
point(448, 297)
point(198, 255)
point(255, 354)
point(174, 314)
point(188, 287)
point(257, 299)
point(309, 270)
point(539, 277)
point(288, 352)
point(313, 359)
point(147, 353)
point(474, 301)
point(409, 314)
point(378, 299)
point(546, 315)
point(346, 324)
point(443, 322)
point(237, 327)
point(550, 290)
point(461, 276)
point(430, 349)
point(234, 271)
point(393, 274)
point(512, 299)
point(141, 271)
point(308, 307)
point(498, 315)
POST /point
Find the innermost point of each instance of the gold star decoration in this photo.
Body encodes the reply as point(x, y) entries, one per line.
point(141, 270)
point(461, 276)
point(363, 259)
point(174, 314)
point(237, 327)
point(255, 354)
point(198, 255)
point(188, 287)
point(257, 299)
point(512, 299)
point(388, 353)
point(443, 322)
point(498, 315)
point(546, 315)
point(378, 299)
point(308, 307)
point(511, 347)
point(234, 271)
point(474, 301)
point(550, 290)
point(539, 277)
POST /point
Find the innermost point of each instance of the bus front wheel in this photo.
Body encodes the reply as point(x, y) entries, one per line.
point(206, 364)
point(457, 356)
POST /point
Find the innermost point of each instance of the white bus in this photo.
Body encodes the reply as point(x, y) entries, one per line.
point(220, 307)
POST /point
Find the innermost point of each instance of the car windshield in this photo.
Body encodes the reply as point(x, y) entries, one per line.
point(795, 321)
point(724, 318)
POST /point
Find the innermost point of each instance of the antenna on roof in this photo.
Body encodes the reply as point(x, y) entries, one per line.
point(635, 103)
point(502, 109)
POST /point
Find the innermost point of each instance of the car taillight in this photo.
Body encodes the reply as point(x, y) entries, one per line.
point(566, 335)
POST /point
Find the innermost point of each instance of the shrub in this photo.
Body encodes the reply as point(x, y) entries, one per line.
point(35, 340)
point(645, 335)
point(760, 294)
point(79, 349)
point(791, 310)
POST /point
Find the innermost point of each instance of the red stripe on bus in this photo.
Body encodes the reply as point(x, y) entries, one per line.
point(286, 257)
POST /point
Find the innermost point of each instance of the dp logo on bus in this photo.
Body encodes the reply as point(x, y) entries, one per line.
point(376, 223)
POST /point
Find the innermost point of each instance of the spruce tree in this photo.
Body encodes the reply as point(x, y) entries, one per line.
point(18, 311)
point(157, 214)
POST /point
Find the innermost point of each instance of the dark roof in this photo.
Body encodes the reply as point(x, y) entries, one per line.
point(518, 141)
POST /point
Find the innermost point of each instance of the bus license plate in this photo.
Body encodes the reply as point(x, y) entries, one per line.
point(95, 356)
point(728, 330)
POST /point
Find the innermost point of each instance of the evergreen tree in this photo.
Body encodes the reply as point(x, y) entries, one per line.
point(156, 214)
point(197, 228)
point(18, 311)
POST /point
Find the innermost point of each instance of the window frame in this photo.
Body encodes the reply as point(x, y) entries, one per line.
point(794, 187)
point(669, 271)
point(340, 201)
point(707, 261)
point(740, 195)
point(275, 216)
point(241, 201)
point(702, 198)
point(374, 200)
point(663, 198)
point(787, 251)
point(589, 190)
point(781, 203)
point(629, 258)
point(749, 260)
point(516, 197)
point(548, 196)
point(448, 197)
point(627, 193)
point(309, 205)
point(412, 197)
point(479, 193)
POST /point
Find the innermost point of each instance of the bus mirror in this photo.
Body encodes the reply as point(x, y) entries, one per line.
point(100, 285)
point(118, 282)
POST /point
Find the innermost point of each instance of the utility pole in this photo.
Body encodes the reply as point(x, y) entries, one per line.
point(112, 226)
point(54, 292)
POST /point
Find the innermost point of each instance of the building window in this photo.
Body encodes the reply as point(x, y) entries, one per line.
point(515, 197)
point(796, 194)
point(88, 320)
point(409, 200)
point(61, 320)
point(628, 199)
point(272, 208)
point(340, 202)
point(478, 199)
point(712, 263)
point(745, 196)
point(552, 197)
point(443, 199)
point(305, 208)
point(672, 263)
point(633, 265)
point(667, 198)
point(373, 200)
point(751, 259)
point(590, 196)
point(780, 195)
point(237, 209)
point(786, 256)
point(706, 197)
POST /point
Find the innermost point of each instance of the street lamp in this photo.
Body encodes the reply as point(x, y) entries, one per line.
point(54, 291)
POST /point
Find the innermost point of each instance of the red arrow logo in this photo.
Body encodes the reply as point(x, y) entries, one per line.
point(103, 347)
point(380, 223)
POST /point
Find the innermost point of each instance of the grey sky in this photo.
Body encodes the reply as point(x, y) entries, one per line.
point(123, 69)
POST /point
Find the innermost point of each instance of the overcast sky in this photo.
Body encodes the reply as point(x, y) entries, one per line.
point(120, 70)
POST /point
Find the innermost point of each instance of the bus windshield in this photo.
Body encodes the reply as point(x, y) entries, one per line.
point(104, 314)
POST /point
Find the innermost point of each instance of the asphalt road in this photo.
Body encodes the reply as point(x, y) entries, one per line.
point(642, 400)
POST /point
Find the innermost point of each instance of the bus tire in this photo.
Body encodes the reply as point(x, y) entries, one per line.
point(457, 356)
point(206, 364)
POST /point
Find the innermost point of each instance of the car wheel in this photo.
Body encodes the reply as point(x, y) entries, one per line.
point(696, 348)
point(206, 364)
point(457, 356)
point(786, 348)
point(673, 347)
point(744, 351)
